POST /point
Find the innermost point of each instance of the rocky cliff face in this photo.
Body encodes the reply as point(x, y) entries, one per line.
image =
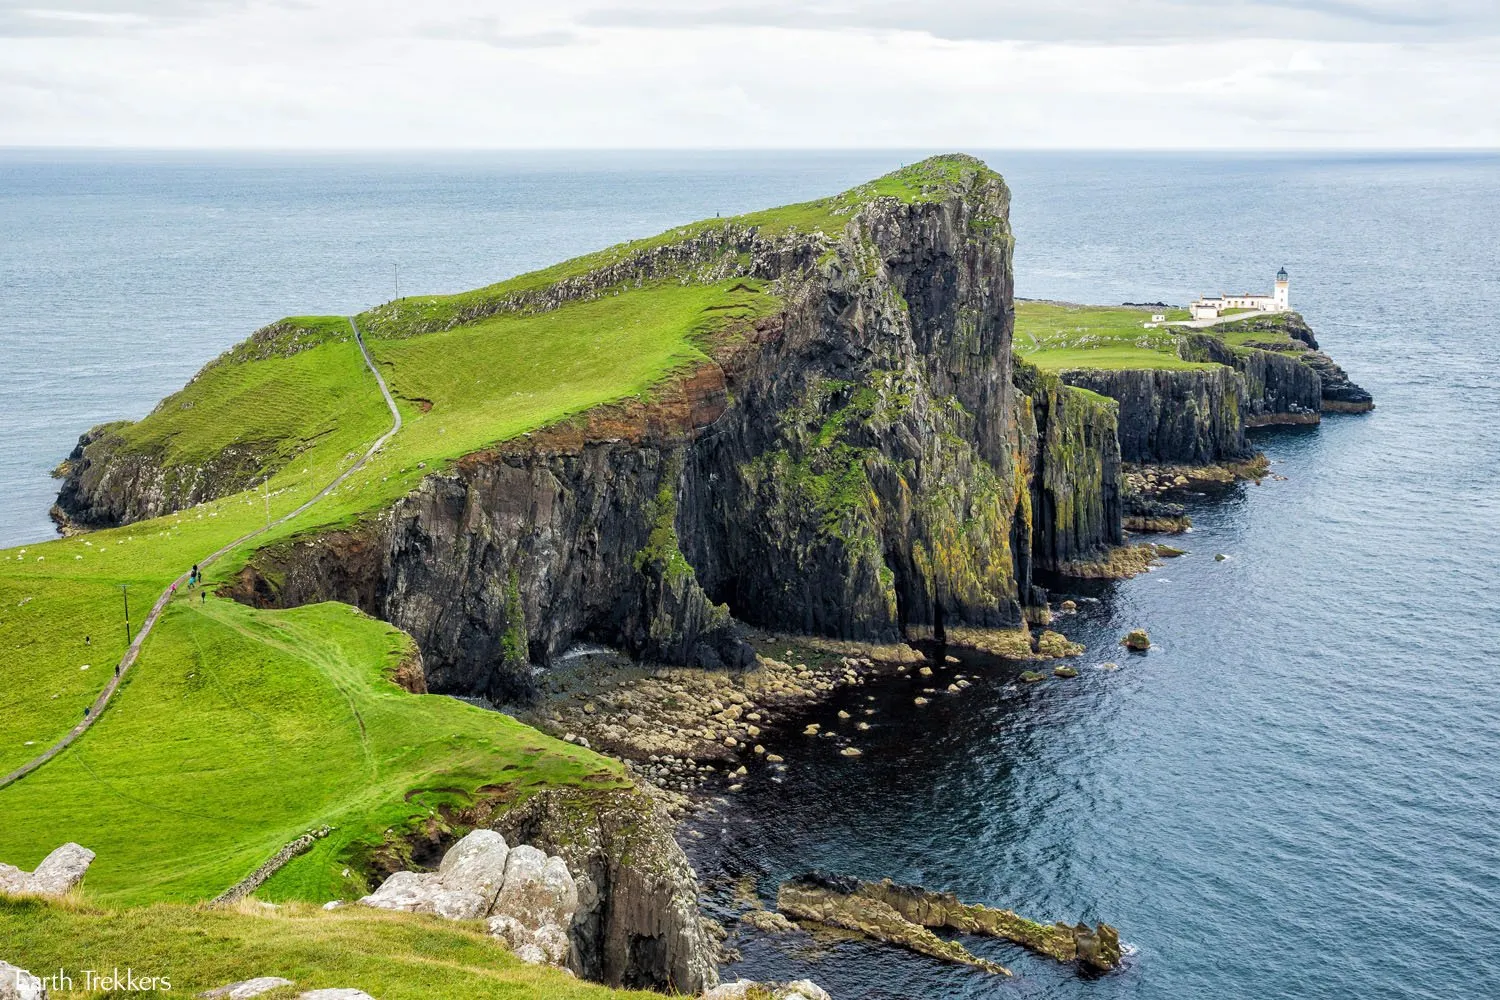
point(637, 922)
point(861, 462)
point(1192, 416)
point(104, 484)
point(1278, 388)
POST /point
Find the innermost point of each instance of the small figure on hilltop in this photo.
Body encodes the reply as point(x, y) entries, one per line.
point(88, 640)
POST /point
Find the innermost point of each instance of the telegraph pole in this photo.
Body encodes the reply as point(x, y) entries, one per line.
point(125, 593)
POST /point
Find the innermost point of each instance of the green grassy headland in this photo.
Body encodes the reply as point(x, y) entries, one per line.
point(240, 729)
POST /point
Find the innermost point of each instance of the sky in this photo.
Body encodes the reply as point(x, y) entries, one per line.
point(663, 74)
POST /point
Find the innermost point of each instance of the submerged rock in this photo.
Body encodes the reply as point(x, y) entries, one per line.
point(767, 921)
point(1095, 947)
point(838, 903)
point(1055, 645)
point(57, 875)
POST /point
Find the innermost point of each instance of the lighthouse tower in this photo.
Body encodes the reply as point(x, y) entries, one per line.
point(1281, 298)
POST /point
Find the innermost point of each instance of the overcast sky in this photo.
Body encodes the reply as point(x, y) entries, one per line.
point(750, 73)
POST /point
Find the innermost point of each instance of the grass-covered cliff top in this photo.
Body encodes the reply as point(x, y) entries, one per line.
point(240, 729)
point(1058, 336)
point(933, 179)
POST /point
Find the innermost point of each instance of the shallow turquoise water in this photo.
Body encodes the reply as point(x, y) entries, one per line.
point(1294, 794)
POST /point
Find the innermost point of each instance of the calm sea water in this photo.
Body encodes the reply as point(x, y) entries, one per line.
point(1294, 794)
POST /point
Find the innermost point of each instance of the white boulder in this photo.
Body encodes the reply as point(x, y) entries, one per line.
point(18, 984)
point(247, 989)
point(463, 887)
point(529, 898)
point(58, 873)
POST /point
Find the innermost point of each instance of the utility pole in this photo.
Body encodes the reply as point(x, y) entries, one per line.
point(125, 593)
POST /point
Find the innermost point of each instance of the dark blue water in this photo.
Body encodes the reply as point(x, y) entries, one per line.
point(1295, 794)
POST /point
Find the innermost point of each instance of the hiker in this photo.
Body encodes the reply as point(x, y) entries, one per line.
point(88, 640)
point(117, 670)
point(203, 597)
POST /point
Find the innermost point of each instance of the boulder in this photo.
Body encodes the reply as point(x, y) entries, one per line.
point(1063, 670)
point(529, 898)
point(58, 873)
point(18, 984)
point(1136, 640)
point(535, 906)
point(839, 903)
point(463, 888)
point(248, 988)
point(767, 922)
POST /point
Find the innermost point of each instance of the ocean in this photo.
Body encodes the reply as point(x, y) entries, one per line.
point(1293, 794)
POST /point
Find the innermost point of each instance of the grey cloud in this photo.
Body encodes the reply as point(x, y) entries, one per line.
point(74, 18)
point(1087, 21)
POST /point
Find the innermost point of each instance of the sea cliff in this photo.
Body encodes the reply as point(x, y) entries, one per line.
point(865, 460)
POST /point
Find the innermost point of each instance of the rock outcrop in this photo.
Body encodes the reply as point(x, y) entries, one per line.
point(1339, 394)
point(1096, 947)
point(1193, 416)
point(529, 898)
point(839, 903)
point(907, 915)
point(18, 984)
point(58, 874)
point(637, 923)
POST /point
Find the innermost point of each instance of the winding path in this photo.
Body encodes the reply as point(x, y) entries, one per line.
point(133, 651)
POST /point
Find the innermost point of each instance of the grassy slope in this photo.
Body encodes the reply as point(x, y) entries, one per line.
point(241, 730)
point(133, 787)
point(1055, 337)
point(390, 956)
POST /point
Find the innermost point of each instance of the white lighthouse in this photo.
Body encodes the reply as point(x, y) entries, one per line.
point(1213, 308)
